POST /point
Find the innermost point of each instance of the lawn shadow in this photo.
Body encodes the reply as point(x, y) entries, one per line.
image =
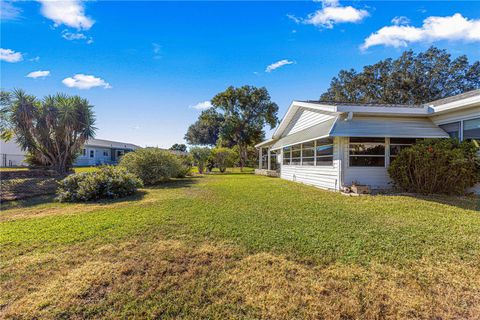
point(28, 202)
point(470, 202)
point(177, 183)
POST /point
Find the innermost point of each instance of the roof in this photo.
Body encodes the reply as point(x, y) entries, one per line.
point(312, 133)
point(351, 104)
point(110, 144)
point(465, 95)
point(387, 127)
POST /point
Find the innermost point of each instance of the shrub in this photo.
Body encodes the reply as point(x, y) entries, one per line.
point(223, 158)
point(200, 157)
point(152, 165)
point(436, 166)
point(186, 165)
point(108, 182)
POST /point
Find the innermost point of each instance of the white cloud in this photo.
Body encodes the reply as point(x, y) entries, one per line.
point(36, 59)
point(157, 50)
point(452, 28)
point(83, 81)
point(67, 12)
point(38, 74)
point(333, 13)
point(8, 11)
point(9, 55)
point(202, 105)
point(278, 64)
point(400, 20)
point(71, 36)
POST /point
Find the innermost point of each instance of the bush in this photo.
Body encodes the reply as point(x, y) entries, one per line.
point(186, 166)
point(200, 156)
point(108, 182)
point(431, 166)
point(152, 165)
point(223, 158)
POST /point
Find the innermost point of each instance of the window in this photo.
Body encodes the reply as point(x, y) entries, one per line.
point(287, 155)
point(471, 129)
point(105, 153)
point(264, 160)
point(296, 155)
point(92, 153)
point(398, 144)
point(367, 152)
point(324, 152)
point(308, 153)
point(319, 152)
point(453, 129)
point(84, 152)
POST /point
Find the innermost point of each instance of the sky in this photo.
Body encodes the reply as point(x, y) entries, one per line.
point(150, 67)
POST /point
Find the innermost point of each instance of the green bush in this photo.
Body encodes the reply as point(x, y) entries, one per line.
point(107, 182)
point(223, 158)
point(200, 156)
point(186, 165)
point(444, 166)
point(153, 165)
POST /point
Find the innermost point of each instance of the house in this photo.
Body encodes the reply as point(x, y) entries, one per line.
point(94, 152)
point(333, 145)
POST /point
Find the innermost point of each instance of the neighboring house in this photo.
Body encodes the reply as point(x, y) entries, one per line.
point(94, 152)
point(333, 145)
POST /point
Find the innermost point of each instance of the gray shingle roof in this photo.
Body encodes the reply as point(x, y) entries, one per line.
point(331, 103)
point(110, 144)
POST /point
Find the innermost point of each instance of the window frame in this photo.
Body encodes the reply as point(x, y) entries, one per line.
point(390, 144)
point(461, 121)
point(384, 156)
point(299, 147)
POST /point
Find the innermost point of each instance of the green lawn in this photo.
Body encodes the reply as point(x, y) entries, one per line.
point(241, 246)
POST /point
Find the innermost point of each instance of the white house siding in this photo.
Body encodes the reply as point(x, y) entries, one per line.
point(375, 177)
point(98, 158)
point(456, 116)
point(304, 119)
point(318, 176)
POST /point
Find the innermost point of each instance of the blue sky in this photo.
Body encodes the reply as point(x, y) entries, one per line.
point(145, 65)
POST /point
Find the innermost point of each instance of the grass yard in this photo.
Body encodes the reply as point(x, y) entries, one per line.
point(241, 246)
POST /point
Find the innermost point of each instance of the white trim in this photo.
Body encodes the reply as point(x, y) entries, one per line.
point(457, 105)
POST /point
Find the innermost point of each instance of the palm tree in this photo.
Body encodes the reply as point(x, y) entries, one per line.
point(52, 130)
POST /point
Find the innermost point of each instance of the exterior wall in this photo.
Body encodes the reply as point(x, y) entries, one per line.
point(304, 119)
point(318, 176)
point(456, 116)
point(375, 177)
point(97, 159)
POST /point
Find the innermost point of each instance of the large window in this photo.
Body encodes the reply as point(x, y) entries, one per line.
point(287, 155)
point(308, 154)
point(398, 144)
point(319, 152)
point(471, 129)
point(324, 152)
point(453, 129)
point(367, 152)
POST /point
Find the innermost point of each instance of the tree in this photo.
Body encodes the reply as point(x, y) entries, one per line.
point(410, 79)
point(6, 130)
point(179, 147)
point(223, 158)
point(246, 110)
point(205, 131)
point(200, 156)
point(52, 130)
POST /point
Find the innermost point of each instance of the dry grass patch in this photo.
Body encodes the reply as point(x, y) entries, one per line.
point(278, 288)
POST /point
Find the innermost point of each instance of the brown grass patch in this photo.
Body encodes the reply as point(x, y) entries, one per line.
point(172, 278)
point(281, 289)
